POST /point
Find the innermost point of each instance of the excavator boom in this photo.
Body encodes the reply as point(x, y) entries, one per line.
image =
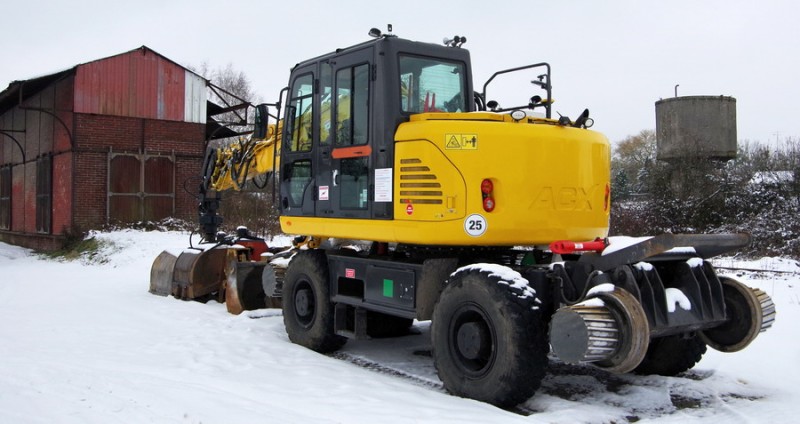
point(236, 164)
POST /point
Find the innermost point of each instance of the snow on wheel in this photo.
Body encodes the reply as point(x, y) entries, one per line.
point(488, 340)
point(307, 311)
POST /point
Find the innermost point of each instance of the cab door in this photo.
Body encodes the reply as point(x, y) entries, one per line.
point(324, 177)
point(349, 164)
point(297, 155)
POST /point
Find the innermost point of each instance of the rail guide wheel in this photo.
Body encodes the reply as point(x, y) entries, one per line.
point(749, 311)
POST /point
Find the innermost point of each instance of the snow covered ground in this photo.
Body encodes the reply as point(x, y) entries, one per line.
point(84, 342)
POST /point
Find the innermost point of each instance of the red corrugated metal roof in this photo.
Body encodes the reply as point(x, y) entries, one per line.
point(140, 83)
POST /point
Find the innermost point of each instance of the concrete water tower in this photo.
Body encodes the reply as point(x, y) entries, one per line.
point(696, 127)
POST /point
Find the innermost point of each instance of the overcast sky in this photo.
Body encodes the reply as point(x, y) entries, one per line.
point(616, 58)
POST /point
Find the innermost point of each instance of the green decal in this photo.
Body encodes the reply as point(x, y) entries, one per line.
point(388, 288)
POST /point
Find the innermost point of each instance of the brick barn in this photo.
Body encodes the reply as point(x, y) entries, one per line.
point(109, 141)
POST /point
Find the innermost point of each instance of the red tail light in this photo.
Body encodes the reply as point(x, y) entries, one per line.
point(487, 189)
point(487, 186)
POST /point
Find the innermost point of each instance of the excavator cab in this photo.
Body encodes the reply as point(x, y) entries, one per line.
point(343, 110)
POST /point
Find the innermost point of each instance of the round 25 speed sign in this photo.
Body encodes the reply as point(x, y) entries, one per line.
point(475, 225)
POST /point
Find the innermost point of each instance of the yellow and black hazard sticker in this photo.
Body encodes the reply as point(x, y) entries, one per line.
point(461, 141)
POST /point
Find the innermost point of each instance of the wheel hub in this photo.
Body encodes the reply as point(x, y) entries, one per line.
point(302, 303)
point(472, 340)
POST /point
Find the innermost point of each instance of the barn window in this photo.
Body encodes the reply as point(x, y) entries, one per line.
point(5, 198)
point(44, 190)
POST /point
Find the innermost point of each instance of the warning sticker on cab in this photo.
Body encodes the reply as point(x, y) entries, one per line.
point(461, 141)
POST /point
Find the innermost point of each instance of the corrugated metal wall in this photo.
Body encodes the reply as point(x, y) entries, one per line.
point(195, 98)
point(140, 84)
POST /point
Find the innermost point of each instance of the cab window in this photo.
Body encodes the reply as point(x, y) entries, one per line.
point(300, 115)
point(431, 85)
point(354, 183)
point(299, 177)
point(352, 113)
point(326, 103)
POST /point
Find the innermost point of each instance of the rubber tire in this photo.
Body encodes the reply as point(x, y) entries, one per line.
point(517, 358)
point(672, 355)
point(307, 276)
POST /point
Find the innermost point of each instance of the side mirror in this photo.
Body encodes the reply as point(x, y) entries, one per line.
point(262, 119)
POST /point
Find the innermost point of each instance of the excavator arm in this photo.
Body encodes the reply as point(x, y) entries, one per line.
point(230, 168)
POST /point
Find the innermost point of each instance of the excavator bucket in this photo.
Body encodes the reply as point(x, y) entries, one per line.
point(206, 274)
point(246, 287)
point(161, 273)
point(199, 273)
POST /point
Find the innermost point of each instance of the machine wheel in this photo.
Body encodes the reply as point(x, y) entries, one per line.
point(672, 355)
point(488, 341)
point(307, 311)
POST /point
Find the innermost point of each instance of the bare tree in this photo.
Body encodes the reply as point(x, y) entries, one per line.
point(229, 89)
point(233, 81)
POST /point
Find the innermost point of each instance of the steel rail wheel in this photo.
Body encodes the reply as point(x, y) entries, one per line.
point(749, 311)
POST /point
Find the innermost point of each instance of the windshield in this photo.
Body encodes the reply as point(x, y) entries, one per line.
point(431, 85)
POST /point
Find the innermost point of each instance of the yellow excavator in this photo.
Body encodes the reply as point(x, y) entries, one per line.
point(489, 220)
